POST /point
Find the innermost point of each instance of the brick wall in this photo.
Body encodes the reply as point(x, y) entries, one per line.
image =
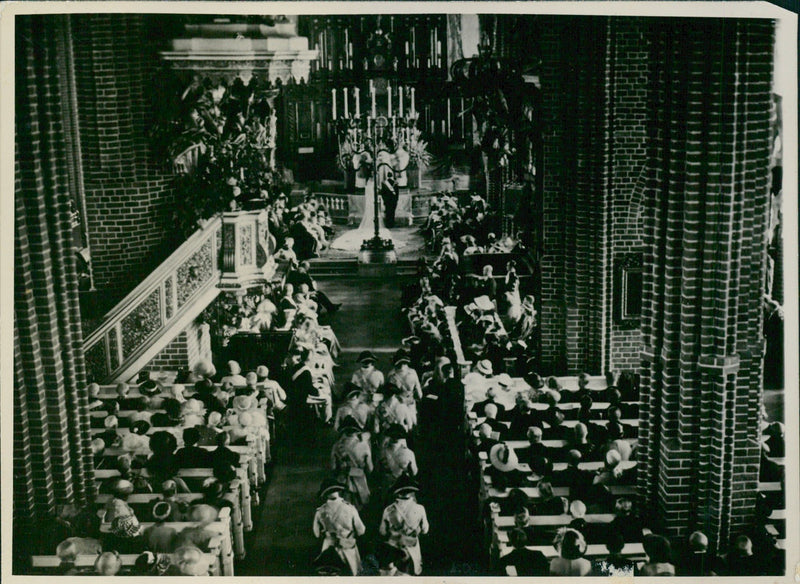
point(128, 194)
point(706, 209)
point(572, 80)
point(185, 350)
point(626, 88)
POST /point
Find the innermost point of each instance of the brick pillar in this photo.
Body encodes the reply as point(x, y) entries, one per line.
point(575, 123)
point(705, 220)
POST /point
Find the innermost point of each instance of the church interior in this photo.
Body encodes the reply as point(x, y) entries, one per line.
point(398, 294)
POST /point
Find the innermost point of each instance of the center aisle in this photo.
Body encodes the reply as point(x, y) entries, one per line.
point(282, 543)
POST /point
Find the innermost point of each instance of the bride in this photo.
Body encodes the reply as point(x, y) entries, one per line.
point(352, 240)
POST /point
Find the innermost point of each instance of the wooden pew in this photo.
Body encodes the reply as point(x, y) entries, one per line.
point(47, 564)
point(232, 495)
point(222, 527)
point(201, 473)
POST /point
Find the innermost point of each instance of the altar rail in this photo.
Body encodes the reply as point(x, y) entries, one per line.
point(158, 309)
point(338, 205)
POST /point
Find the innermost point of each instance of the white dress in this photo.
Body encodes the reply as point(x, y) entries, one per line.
point(352, 240)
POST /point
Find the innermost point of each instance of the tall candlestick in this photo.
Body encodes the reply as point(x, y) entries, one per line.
point(400, 99)
point(389, 94)
point(346, 113)
point(358, 101)
point(372, 94)
point(439, 56)
point(333, 93)
point(413, 111)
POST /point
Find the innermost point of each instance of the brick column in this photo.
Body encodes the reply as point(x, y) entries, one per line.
point(575, 125)
point(705, 220)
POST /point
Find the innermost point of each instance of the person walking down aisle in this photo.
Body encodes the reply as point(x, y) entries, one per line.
point(338, 524)
point(404, 521)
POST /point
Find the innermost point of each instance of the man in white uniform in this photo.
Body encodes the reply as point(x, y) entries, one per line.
point(405, 520)
point(338, 524)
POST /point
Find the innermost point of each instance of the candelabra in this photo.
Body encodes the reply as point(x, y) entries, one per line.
point(375, 141)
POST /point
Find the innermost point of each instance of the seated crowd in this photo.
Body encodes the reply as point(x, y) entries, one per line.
point(178, 464)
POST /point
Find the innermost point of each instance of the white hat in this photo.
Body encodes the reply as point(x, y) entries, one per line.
point(504, 380)
point(484, 366)
point(503, 458)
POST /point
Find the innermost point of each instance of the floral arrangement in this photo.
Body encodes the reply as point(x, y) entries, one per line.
point(229, 312)
point(220, 142)
point(417, 148)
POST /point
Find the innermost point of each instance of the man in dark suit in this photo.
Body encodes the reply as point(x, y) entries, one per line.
point(191, 455)
point(526, 562)
point(390, 196)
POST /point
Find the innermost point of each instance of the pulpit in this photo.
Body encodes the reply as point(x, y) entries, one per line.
point(245, 261)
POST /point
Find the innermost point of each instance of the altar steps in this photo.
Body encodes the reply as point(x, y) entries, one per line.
point(330, 269)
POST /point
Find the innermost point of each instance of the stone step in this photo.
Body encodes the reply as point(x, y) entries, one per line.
point(323, 269)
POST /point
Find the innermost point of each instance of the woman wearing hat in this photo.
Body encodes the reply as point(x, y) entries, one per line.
point(160, 537)
point(234, 375)
point(367, 377)
point(404, 520)
point(118, 506)
point(478, 381)
point(338, 524)
point(351, 459)
point(504, 470)
point(125, 535)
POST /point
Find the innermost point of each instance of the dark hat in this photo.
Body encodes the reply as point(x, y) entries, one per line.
point(366, 356)
point(351, 389)
point(405, 484)
point(330, 486)
point(349, 425)
point(396, 432)
point(149, 387)
point(140, 427)
point(401, 357)
point(163, 441)
point(161, 510)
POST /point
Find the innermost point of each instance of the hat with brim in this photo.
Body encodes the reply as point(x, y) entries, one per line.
point(504, 380)
point(404, 485)
point(161, 511)
point(242, 403)
point(349, 426)
point(396, 432)
point(122, 488)
point(150, 388)
point(503, 458)
point(366, 357)
point(140, 424)
point(262, 371)
point(330, 486)
point(402, 357)
point(484, 367)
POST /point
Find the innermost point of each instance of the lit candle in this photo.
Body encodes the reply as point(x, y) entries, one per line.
point(413, 111)
point(358, 101)
point(439, 56)
point(389, 94)
point(333, 93)
point(400, 99)
point(372, 94)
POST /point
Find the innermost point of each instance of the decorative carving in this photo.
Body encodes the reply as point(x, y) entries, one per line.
point(113, 349)
point(193, 273)
point(95, 359)
point(141, 323)
point(246, 244)
point(168, 298)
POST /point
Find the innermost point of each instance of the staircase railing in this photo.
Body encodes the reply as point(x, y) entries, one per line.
point(134, 331)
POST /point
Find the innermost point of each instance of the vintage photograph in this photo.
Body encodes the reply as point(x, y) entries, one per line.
point(391, 289)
